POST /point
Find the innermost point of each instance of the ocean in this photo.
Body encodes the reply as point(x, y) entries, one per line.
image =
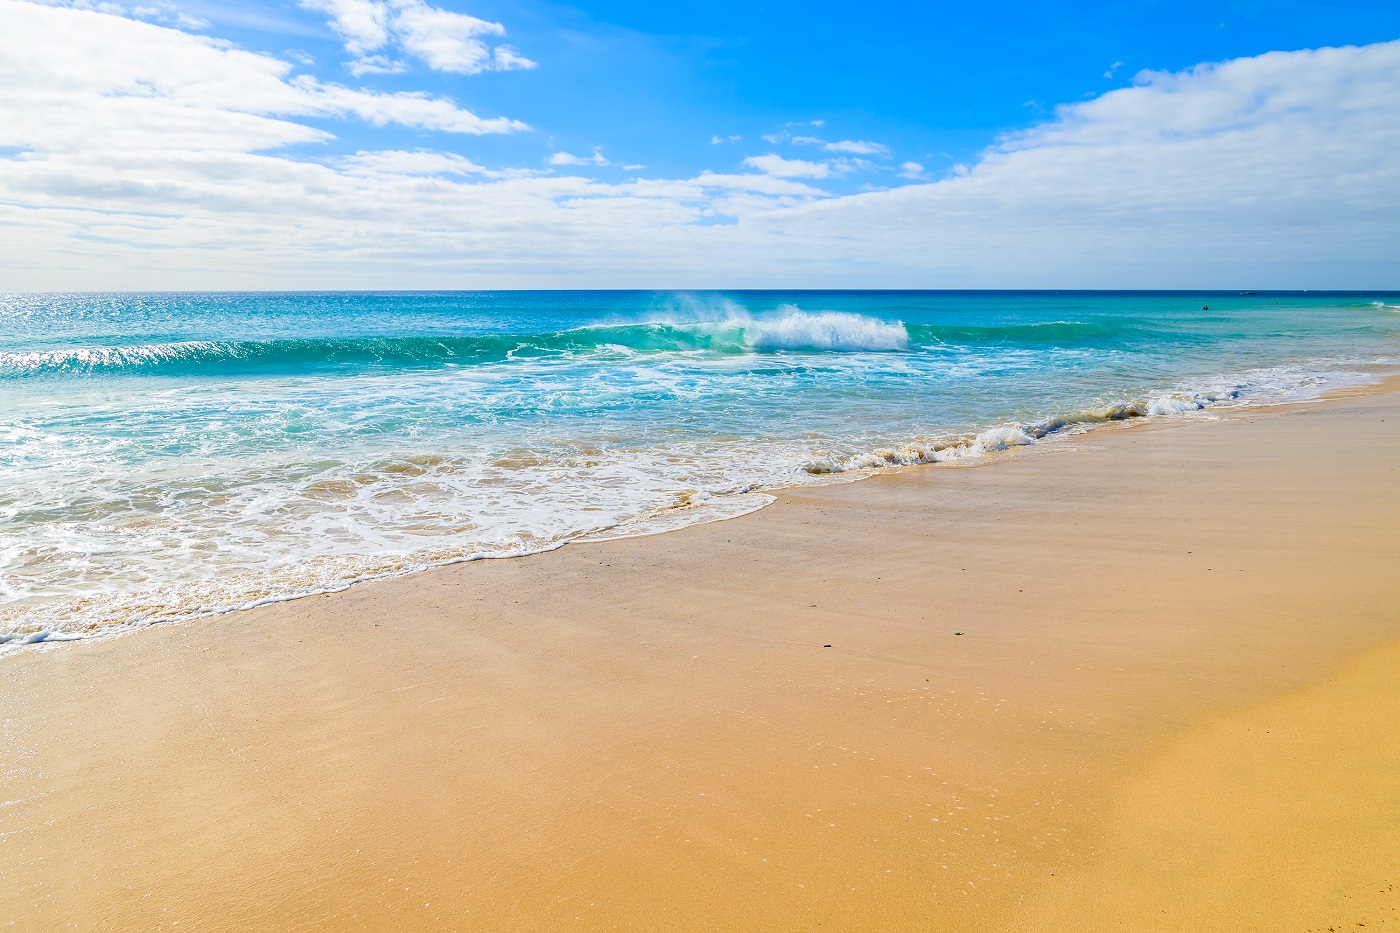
point(168, 456)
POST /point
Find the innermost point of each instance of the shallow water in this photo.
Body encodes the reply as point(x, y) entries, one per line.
point(167, 455)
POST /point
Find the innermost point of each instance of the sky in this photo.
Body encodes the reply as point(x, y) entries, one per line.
point(267, 144)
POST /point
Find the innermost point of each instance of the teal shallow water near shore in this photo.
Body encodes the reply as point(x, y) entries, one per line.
point(169, 455)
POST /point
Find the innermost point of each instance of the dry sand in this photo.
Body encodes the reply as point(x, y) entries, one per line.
point(1174, 704)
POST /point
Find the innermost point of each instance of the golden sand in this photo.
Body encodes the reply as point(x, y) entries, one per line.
point(1038, 711)
point(1281, 816)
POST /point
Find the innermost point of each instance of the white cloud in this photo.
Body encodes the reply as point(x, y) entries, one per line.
point(363, 25)
point(441, 39)
point(505, 58)
point(717, 140)
point(79, 80)
point(157, 11)
point(912, 170)
point(568, 158)
point(762, 184)
point(164, 11)
point(151, 158)
point(409, 108)
point(858, 147)
point(445, 41)
point(417, 162)
point(1284, 166)
point(376, 65)
point(779, 167)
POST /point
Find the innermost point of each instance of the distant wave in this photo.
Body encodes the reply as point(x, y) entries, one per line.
point(792, 330)
point(789, 330)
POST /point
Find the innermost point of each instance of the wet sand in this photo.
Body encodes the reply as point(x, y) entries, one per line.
point(1039, 710)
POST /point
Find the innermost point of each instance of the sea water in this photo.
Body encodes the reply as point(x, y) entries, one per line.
point(174, 455)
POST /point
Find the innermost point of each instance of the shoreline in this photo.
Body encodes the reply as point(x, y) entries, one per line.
point(967, 451)
point(505, 736)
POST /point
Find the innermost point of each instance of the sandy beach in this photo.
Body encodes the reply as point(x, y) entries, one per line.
point(1142, 680)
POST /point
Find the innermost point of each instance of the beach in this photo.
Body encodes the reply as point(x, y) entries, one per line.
point(1015, 693)
point(514, 467)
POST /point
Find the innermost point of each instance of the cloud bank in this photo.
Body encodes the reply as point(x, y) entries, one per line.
point(137, 155)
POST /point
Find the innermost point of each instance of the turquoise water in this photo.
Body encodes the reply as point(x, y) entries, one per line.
point(168, 455)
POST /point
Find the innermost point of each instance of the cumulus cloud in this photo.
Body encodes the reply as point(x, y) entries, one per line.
point(912, 170)
point(779, 167)
point(441, 39)
point(80, 81)
point(363, 25)
point(1285, 164)
point(141, 156)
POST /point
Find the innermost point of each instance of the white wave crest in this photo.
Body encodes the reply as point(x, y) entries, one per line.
point(787, 328)
point(89, 358)
point(1000, 437)
point(1173, 405)
point(830, 330)
point(1265, 386)
point(1178, 403)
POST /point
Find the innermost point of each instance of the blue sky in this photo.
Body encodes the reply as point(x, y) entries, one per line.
point(654, 83)
point(515, 142)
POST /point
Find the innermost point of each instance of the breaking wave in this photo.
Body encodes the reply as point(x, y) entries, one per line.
point(788, 330)
point(1263, 387)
